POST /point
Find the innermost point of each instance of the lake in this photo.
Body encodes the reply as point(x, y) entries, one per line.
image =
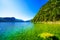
point(8, 28)
point(26, 30)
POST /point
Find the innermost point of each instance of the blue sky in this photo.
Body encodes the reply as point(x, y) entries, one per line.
point(21, 9)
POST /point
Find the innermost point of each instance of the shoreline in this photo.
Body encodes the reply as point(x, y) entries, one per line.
point(50, 22)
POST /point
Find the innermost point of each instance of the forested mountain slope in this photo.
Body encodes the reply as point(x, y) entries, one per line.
point(49, 12)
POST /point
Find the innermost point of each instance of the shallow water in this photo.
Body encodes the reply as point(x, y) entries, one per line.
point(8, 28)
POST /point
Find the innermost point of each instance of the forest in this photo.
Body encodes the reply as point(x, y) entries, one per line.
point(49, 12)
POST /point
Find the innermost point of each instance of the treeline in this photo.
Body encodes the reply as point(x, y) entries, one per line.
point(49, 12)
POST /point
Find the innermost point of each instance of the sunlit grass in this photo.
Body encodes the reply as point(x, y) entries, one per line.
point(45, 35)
point(50, 22)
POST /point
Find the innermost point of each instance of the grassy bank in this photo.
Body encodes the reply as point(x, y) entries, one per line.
point(50, 22)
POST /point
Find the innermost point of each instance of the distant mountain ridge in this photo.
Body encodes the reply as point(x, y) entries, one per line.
point(10, 19)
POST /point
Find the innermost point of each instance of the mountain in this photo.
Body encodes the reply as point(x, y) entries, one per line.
point(10, 19)
point(49, 12)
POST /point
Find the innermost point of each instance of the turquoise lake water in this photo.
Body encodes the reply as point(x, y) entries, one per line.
point(8, 28)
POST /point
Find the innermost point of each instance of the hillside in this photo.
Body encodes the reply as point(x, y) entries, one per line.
point(49, 12)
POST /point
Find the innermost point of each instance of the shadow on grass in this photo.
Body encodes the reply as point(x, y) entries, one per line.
point(54, 38)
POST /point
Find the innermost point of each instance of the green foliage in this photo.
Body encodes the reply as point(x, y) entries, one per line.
point(49, 12)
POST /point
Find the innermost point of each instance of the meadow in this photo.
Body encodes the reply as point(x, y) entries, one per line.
point(32, 34)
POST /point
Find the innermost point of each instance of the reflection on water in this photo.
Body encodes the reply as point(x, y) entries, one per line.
point(8, 28)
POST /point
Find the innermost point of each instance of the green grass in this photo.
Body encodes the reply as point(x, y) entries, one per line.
point(32, 34)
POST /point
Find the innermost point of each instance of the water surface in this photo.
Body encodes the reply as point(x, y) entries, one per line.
point(8, 28)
